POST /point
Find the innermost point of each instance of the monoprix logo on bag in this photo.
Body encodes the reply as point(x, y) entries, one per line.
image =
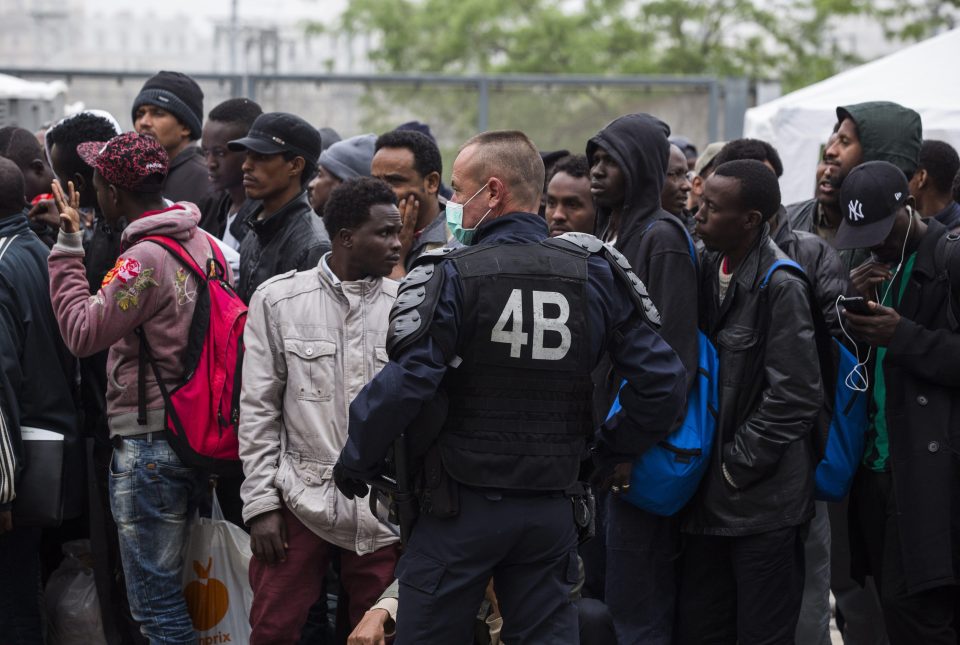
point(217, 587)
point(207, 601)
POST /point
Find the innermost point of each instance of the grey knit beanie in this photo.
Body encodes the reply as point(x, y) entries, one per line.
point(350, 158)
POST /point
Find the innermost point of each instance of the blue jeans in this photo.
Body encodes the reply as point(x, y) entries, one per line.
point(152, 497)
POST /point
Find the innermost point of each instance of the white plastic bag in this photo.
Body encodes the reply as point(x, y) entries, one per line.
point(216, 586)
point(73, 609)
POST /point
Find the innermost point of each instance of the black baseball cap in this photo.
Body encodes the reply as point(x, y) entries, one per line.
point(872, 194)
point(689, 150)
point(276, 132)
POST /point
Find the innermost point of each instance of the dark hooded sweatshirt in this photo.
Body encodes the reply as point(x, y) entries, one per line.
point(657, 250)
point(887, 132)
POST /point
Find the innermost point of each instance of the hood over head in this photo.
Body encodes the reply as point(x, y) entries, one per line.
point(639, 145)
point(888, 132)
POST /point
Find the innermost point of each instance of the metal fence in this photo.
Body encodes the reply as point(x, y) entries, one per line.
point(556, 111)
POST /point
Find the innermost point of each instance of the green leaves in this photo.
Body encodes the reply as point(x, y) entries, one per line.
point(790, 40)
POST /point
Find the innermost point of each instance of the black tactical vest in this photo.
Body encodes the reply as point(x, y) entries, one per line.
point(520, 401)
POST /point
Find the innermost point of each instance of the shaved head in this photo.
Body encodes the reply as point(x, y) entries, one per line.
point(510, 156)
point(12, 200)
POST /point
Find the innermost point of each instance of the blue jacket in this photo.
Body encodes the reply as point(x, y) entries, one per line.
point(653, 398)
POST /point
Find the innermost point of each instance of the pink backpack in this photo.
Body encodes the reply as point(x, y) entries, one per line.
point(203, 409)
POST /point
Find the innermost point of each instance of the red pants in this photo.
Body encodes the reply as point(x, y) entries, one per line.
point(284, 592)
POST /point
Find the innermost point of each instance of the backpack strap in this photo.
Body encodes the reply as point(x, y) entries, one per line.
point(821, 333)
point(144, 356)
point(214, 266)
point(819, 324)
point(141, 379)
point(779, 264)
point(691, 246)
point(943, 252)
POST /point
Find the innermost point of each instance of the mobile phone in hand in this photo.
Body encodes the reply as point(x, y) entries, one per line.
point(857, 305)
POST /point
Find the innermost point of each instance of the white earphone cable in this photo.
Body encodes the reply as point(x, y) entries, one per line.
point(857, 379)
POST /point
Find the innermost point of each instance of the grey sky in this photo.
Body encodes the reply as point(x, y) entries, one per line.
point(288, 10)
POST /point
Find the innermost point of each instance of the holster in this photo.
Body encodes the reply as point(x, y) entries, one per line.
point(393, 498)
point(438, 492)
point(584, 511)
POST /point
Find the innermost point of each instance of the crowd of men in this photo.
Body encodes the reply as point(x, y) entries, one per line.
point(488, 327)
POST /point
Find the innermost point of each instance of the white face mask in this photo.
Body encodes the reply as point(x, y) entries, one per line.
point(454, 214)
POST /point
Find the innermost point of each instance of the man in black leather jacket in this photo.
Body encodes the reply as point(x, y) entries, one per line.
point(829, 281)
point(741, 576)
point(282, 153)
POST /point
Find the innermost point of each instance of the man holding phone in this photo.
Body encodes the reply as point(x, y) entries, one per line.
point(905, 499)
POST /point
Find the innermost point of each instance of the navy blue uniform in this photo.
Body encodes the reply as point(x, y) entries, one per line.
point(524, 538)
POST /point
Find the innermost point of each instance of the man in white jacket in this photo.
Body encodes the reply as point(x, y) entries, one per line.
point(313, 340)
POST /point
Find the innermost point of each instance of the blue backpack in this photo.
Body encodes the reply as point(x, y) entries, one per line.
point(840, 433)
point(666, 476)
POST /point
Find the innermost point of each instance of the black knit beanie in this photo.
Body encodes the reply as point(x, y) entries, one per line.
point(176, 93)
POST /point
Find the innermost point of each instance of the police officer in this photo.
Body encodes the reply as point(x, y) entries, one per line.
point(501, 337)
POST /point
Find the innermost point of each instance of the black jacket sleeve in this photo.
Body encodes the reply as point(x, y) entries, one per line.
point(653, 395)
point(662, 261)
point(831, 282)
point(11, 377)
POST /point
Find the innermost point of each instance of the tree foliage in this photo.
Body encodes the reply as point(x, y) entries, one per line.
point(788, 40)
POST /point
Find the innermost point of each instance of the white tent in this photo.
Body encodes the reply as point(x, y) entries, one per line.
point(923, 77)
point(12, 87)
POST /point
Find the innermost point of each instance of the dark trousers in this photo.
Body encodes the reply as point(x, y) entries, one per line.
point(20, 587)
point(745, 590)
point(814, 625)
point(642, 551)
point(593, 552)
point(859, 618)
point(930, 617)
point(596, 623)
point(284, 592)
point(528, 544)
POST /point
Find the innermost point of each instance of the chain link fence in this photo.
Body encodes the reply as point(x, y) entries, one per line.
point(557, 112)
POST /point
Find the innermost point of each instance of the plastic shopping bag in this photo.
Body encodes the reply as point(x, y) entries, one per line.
point(73, 609)
point(216, 559)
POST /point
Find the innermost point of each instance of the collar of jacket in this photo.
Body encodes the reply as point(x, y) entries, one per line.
point(192, 150)
point(267, 228)
point(512, 228)
point(748, 274)
point(784, 233)
point(366, 287)
point(14, 224)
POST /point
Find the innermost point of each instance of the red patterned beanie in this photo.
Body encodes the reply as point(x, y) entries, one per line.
point(132, 161)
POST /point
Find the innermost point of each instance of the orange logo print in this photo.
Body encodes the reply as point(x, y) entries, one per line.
point(207, 598)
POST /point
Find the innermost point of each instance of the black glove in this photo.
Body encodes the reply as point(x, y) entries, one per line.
point(348, 485)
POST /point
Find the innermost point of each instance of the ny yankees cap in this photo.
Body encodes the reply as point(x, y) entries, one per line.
point(870, 197)
point(276, 132)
